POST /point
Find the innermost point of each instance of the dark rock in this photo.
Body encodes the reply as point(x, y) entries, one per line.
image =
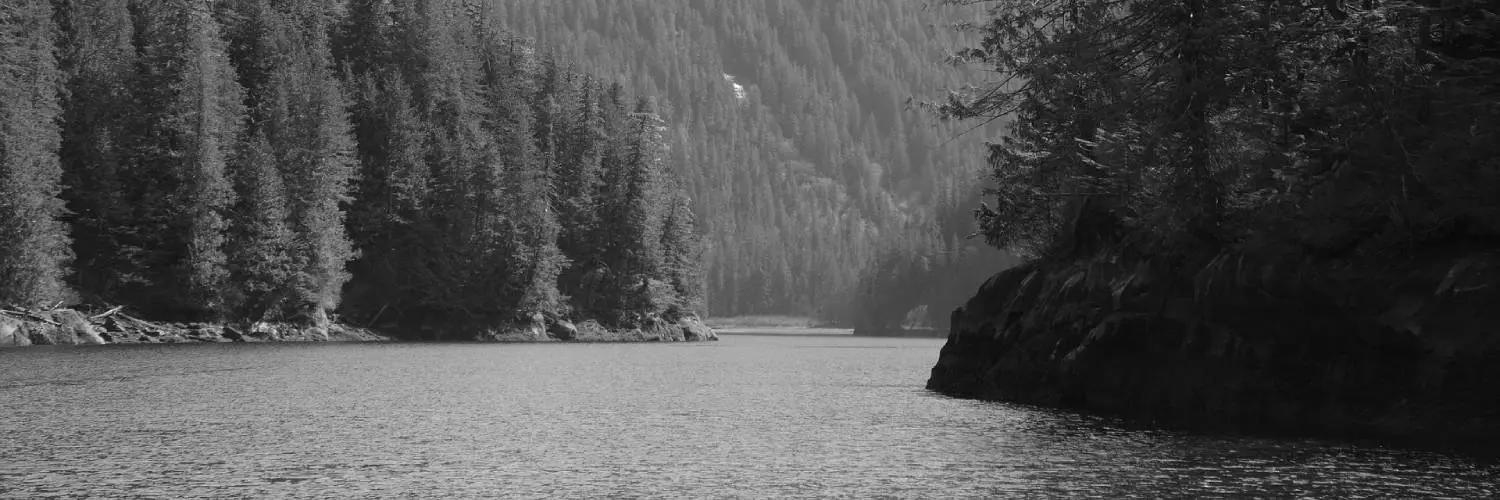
point(1196, 351)
point(563, 330)
point(42, 338)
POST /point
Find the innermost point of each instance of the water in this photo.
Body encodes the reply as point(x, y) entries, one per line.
point(750, 416)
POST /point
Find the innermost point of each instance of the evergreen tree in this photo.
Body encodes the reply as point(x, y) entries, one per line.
point(311, 127)
point(526, 148)
point(297, 104)
point(388, 218)
point(262, 243)
point(98, 62)
point(34, 249)
point(579, 153)
point(635, 215)
point(188, 115)
point(682, 255)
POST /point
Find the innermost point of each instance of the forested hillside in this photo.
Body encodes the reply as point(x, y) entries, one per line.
point(281, 160)
point(790, 128)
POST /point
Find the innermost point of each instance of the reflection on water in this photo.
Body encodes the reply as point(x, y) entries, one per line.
point(749, 416)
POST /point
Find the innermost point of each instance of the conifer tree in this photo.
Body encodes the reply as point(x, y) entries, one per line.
point(387, 220)
point(298, 106)
point(634, 216)
point(642, 200)
point(514, 186)
point(318, 157)
point(98, 61)
point(579, 153)
point(681, 255)
point(261, 240)
point(34, 248)
point(188, 116)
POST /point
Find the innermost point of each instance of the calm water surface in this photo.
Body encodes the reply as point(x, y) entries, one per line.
point(750, 416)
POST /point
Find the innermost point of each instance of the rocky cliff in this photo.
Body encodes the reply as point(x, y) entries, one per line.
point(1401, 351)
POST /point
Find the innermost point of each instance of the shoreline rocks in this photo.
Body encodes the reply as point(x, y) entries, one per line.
point(71, 327)
point(1406, 353)
point(537, 329)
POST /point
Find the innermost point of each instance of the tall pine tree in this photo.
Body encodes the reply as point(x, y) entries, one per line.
point(262, 242)
point(34, 248)
point(188, 117)
point(98, 61)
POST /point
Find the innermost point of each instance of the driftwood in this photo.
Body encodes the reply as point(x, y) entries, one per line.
point(30, 315)
point(107, 313)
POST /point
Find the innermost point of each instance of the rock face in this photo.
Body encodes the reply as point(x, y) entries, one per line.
point(1407, 354)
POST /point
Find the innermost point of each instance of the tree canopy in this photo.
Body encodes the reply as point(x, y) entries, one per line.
point(286, 160)
point(1330, 129)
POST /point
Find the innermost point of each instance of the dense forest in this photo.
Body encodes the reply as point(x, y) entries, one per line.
point(810, 171)
point(281, 160)
point(1324, 130)
point(1263, 215)
point(786, 162)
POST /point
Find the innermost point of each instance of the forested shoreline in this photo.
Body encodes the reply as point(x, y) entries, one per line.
point(404, 163)
point(1262, 216)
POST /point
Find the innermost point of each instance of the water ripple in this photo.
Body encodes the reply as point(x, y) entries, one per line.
point(747, 417)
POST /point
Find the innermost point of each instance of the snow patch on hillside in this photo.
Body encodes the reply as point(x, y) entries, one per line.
point(739, 90)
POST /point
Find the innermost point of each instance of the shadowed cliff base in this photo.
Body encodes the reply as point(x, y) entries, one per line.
point(1407, 352)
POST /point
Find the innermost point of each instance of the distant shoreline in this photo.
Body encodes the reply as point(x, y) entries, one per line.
point(773, 331)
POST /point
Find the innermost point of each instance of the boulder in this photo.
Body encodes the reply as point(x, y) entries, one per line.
point(44, 334)
point(563, 330)
point(693, 330)
point(45, 330)
point(73, 324)
point(13, 333)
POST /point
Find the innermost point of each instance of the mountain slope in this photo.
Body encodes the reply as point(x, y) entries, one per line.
point(789, 127)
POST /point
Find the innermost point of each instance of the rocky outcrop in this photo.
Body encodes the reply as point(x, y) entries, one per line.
point(1404, 352)
point(57, 327)
point(70, 327)
point(693, 330)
